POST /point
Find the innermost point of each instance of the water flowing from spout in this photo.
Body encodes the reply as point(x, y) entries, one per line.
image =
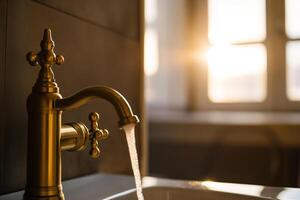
point(129, 131)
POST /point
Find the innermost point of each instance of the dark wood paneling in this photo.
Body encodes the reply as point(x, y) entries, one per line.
point(214, 162)
point(3, 20)
point(119, 16)
point(94, 55)
point(263, 155)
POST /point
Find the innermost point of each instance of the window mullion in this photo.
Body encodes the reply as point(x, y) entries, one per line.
point(275, 42)
point(197, 45)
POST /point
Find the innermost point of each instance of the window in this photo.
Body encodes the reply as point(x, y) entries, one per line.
point(151, 40)
point(293, 69)
point(292, 16)
point(164, 53)
point(151, 47)
point(236, 71)
point(251, 52)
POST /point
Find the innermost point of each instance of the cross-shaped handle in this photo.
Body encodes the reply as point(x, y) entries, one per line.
point(96, 134)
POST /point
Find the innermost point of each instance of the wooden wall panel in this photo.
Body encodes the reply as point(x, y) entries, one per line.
point(3, 20)
point(120, 16)
point(98, 49)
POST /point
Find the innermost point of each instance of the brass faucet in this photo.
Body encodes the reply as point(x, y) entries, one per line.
point(47, 137)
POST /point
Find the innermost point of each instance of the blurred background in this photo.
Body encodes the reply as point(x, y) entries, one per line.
point(222, 89)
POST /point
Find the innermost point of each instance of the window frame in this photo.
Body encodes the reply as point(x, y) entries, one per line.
point(275, 43)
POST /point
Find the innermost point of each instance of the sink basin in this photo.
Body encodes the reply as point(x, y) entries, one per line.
point(166, 189)
point(165, 193)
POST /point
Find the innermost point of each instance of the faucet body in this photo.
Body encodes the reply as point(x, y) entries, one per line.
point(47, 137)
point(43, 152)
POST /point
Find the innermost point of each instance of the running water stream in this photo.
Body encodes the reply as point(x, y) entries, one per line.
point(129, 131)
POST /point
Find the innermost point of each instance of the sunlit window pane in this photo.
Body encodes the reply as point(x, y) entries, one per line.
point(292, 14)
point(237, 73)
point(151, 52)
point(150, 11)
point(237, 20)
point(293, 70)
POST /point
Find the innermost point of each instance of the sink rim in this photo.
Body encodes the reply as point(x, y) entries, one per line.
point(250, 190)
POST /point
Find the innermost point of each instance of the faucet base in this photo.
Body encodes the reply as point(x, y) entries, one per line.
point(45, 198)
point(44, 193)
point(57, 197)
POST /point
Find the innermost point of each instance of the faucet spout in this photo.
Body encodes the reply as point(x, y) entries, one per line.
point(86, 95)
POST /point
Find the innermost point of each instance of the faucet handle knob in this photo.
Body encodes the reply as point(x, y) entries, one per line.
point(96, 134)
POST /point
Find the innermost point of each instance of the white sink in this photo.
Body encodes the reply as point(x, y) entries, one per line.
point(166, 189)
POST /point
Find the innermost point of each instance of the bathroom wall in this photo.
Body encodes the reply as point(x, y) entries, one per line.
point(101, 43)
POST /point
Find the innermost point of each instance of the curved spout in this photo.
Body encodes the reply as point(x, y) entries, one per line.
point(84, 96)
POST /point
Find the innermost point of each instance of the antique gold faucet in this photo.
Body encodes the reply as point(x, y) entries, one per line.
point(46, 134)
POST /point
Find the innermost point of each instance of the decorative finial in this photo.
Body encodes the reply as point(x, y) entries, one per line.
point(46, 58)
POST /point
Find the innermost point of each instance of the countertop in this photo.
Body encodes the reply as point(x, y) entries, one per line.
point(96, 186)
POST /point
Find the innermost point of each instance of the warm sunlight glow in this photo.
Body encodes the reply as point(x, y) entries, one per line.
point(151, 52)
point(237, 73)
point(252, 190)
point(237, 20)
point(231, 61)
